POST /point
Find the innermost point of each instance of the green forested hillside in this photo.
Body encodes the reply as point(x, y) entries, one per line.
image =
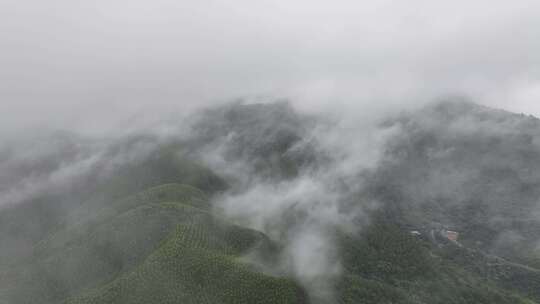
point(388, 265)
point(159, 246)
point(148, 232)
point(163, 245)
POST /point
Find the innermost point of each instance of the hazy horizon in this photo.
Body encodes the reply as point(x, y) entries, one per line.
point(88, 65)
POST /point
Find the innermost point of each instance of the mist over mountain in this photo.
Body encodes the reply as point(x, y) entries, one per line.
point(272, 151)
point(264, 203)
point(473, 167)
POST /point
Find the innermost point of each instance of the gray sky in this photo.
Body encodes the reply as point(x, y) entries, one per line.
point(87, 64)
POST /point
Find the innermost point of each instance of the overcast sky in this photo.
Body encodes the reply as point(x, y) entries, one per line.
point(89, 63)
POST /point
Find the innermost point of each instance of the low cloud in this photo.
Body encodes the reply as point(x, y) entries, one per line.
point(303, 212)
point(90, 66)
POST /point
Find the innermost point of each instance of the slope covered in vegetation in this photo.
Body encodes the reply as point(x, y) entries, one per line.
point(159, 246)
point(149, 230)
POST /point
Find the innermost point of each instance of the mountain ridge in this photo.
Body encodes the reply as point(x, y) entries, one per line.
point(152, 231)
